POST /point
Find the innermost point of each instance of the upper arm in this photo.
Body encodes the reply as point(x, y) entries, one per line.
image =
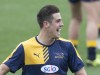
point(74, 60)
point(81, 72)
point(16, 59)
point(4, 69)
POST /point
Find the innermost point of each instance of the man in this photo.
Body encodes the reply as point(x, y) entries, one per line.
point(47, 53)
point(91, 29)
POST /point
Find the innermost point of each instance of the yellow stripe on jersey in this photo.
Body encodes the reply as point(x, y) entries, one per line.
point(46, 54)
point(77, 52)
point(91, 43)
point(64, 39)
point(33, 52)
point(46, 59)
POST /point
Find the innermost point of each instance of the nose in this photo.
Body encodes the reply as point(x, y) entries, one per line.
point(61, 24)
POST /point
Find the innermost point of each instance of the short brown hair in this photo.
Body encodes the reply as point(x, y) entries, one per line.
point(45, 14)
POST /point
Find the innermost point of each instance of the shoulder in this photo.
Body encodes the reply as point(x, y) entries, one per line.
point(31, 41)
point(65, 42)
point(28, 41)
point(62, 39)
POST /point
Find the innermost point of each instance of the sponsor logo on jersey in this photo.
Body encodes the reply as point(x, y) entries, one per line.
point(59, 55)
point(49, 69)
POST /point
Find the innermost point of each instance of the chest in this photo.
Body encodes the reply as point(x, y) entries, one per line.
point(55, 54)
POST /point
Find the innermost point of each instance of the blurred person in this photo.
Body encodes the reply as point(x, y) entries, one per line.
point(47, 53)
point(98, 39)
point(91, 28)
point(99, 30)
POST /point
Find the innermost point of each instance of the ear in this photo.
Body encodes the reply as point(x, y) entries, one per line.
point(46, 24)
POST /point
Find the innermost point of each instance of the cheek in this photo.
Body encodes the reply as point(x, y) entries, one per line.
point(52, 30)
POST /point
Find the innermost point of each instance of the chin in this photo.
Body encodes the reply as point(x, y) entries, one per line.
point(57, 37)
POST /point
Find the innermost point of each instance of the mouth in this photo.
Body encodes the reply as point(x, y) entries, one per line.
point(58, 30)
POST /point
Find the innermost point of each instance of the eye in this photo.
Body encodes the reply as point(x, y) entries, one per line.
point(58, 20)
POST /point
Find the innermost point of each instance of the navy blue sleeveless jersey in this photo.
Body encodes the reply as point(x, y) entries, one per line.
point(37, 59)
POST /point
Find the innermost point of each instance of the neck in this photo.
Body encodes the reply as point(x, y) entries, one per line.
point(44, 39)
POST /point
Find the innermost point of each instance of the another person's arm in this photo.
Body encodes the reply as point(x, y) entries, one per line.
point(4, 69)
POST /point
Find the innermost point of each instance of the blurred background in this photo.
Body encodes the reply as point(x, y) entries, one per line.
point(18, 23)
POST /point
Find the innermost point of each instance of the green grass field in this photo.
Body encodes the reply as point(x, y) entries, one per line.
point(18, 23)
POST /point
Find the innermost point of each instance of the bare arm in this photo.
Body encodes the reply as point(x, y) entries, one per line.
point(81, 72)
point(4, 69)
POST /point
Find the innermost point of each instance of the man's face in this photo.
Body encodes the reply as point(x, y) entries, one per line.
point(55, 26)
